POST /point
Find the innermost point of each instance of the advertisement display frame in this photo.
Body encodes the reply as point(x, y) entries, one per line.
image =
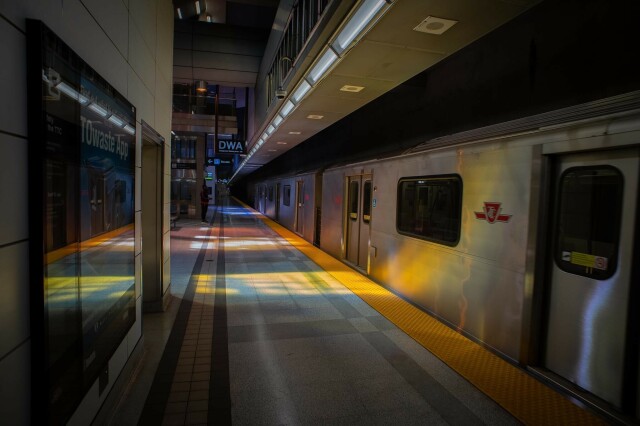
point(82, 139)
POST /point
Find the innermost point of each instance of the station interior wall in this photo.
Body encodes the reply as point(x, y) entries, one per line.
point(130, 44)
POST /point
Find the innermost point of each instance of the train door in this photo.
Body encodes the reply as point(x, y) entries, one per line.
point(593, 226)
point(299, 207)
point(277, 204)
point(358, 219)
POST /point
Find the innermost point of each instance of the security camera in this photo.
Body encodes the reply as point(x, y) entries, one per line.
point(281, 93)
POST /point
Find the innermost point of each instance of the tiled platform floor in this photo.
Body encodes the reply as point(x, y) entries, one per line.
point(263, 336)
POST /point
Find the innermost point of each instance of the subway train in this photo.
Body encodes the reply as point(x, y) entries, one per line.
point(523, 236)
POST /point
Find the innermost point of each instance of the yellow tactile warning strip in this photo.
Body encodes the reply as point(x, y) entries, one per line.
point(524, 397)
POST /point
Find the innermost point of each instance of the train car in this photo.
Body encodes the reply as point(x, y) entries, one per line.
point(293, 201)
point(523, 236)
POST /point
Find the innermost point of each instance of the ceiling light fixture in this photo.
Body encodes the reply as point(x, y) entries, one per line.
point(301, 91)
point(201, 86)
point(364, 16)
point(179, 13)
point(352, 89)
point(198, 7)
point(286, 108)
point(116, 120)
point(130, 129)
point(98, 110)
point(320, 68)
point(357, 23)
point(434, 25)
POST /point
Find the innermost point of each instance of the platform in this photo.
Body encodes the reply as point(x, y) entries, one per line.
point(264, 328)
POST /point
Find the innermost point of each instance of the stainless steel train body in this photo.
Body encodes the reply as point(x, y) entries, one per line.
point(526, 243)
point(292, 201)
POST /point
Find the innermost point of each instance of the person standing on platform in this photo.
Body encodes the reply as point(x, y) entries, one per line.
point(204, 201)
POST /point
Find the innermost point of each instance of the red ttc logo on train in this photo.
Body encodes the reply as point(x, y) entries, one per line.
point(492, 213)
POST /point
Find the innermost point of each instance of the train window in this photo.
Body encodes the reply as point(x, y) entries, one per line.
point(286, 195)
point(588, 219)
point(270, 193)
point(353, 200)
point(430, 208)
point(366, 202)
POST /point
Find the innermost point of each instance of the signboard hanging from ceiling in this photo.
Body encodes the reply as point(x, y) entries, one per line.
point(229, 147)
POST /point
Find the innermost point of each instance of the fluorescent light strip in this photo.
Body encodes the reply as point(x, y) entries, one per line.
point(115, 120)
point(277, 120)
point(351, 30)
point(98, 110)
point(357, 23)
point(129, 129)
point(198, 7)
point(270, 130)
point(286, 108)
point(72, 93)
point(179, 13)
point(300, 92)
point(68, 90)
point(321, 67)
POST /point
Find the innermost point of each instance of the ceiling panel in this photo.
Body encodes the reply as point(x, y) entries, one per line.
point(389, 54)
point(386, 61)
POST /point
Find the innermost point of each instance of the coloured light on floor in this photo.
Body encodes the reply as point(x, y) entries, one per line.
point(524, 397)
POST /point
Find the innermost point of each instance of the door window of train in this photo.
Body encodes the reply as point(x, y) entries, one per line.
point(366, 201)
point(300, 193)
point(286, 195)
point(353, 200)
point(270, 193)
point(430, 208)
point(588, 218)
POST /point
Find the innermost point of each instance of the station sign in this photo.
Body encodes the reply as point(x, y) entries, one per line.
point(215, 161)
point(229, 147)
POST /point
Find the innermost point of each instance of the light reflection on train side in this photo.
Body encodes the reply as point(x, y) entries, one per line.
point(598, 302)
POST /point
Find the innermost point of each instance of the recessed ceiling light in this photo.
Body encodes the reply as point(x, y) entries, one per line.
point(295, 133)
point(315, 117)
point(348, 88)
point(281, 143)
point(435, 25)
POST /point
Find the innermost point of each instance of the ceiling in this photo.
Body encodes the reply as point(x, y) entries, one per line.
point(388, 54)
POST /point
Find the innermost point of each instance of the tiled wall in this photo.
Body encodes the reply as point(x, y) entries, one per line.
point(130, 43)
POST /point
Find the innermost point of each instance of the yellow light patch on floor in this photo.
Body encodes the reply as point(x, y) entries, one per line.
point(524, 397)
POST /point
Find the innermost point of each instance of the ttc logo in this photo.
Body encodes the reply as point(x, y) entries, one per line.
point(491, 213)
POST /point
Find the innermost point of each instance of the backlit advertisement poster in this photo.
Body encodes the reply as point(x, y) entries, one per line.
point(82, 171)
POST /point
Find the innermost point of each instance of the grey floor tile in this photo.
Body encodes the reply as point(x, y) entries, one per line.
point(263, 406)
point(323, 402)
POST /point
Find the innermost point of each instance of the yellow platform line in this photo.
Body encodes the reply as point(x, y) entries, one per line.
point(526, 398)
